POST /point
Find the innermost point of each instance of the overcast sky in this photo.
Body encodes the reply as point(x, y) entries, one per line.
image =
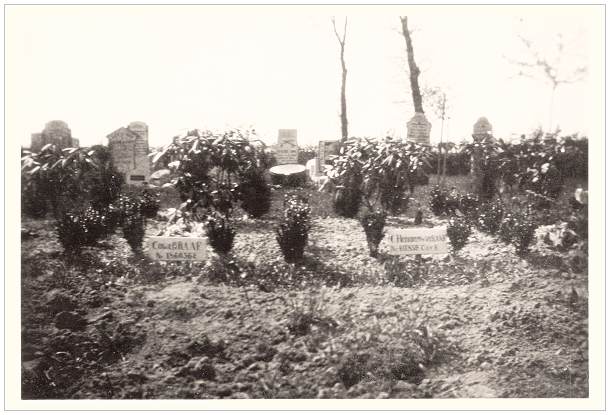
point(267, 67)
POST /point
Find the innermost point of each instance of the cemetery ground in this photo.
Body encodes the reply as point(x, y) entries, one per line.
point(480, 323)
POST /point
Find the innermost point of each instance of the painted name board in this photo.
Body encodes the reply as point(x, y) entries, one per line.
point(417, 241)
point(177, 248)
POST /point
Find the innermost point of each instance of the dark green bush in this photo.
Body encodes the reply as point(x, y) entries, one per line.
point(221, 233)
point(524, 230)
point(149, 204)
point(33, 201)
point(133, 231)
point(458, 231)
point(293, 229)
point(76, 229)
point(347, 201)
point(468, 204)
point(490, 217)
point(507, 228)
point(443, 201)
point(255, 194)
point(373, 224)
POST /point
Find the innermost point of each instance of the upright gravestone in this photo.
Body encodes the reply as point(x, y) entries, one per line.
point(418, 129)
point(327, 148)
point(55, 132)
point(129, 150)
point(481, 132)
point(287, 149)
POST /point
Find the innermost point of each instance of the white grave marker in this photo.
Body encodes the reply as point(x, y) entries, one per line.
point(417, 241)
point(418, 129)
point(286, 149)
point(177, 248)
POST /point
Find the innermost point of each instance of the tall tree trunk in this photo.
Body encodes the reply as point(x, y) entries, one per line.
point(341, 40)
point(413, 69)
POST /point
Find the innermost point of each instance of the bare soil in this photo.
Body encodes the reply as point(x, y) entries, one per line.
point(477, 324)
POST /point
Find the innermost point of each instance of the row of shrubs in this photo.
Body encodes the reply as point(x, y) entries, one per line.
point(515, 224)
point(87, 226)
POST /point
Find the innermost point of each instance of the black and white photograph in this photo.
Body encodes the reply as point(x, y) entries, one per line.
point(262, 203)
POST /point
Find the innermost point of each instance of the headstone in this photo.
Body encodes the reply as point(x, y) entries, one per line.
point(417, 241)
point(129, 151)
point(313, 168)
point(55, 132)
point(287, 136)
point(175, 248)
point(418, 129)
point(287, 149)
point(482, 128)
point(327, 148)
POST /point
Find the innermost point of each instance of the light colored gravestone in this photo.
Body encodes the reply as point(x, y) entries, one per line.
point(482, 128)
point(129, 150)
point(55, 132)
point(287, 136)
point(418, 129)
point(313, 167)
point(481, 132)
point(327, 148)
point(287, 149)
point(417, 241)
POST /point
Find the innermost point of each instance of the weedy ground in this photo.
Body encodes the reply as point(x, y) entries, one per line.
point(480, 323)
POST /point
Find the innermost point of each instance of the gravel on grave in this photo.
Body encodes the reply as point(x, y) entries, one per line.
point(517, 328)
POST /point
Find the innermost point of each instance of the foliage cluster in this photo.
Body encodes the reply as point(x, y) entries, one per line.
point(376, 172)
point(293, 230)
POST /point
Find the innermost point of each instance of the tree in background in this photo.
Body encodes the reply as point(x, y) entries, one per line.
point(341, 40)
point(550, 65)
point(413, 68)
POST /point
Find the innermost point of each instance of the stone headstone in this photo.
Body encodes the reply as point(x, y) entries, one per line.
point(418, 129)
point(55, 132)
point(482, 128)
point(287, 149)
point(313, 167)
point(417, 241)
point(129, 151)
point(287, 136)
point(327, 148)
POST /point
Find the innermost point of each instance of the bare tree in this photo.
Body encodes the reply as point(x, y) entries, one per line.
point(413, 69)
point(548, 66)
point(341, 40)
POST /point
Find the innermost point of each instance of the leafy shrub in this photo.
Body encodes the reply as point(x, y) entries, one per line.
point(507, 228)
point(104, 184)
point(458, 232)
point(221, 233)
point(293, 229)
point(443, 201)
point(209, 167)
point(468, 204)
point(490, 217)
point(524, 231)
point(307, 310)
point(255, 194)
point(149, 204)
point(373, 224)
point(347, 202)
point(133, 226)
point(33, 202)
point(77, 229)
point(377, 171)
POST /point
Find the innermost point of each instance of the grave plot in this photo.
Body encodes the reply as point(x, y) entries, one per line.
point(288, 292)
